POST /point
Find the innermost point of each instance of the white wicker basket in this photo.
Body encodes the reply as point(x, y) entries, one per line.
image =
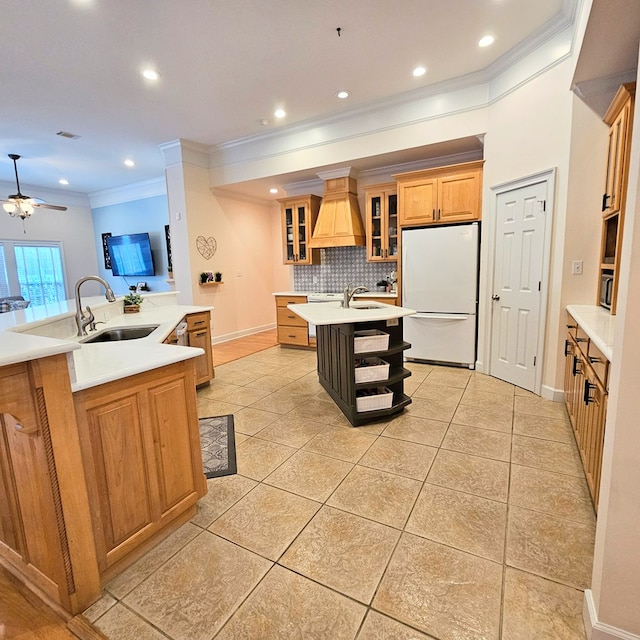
point(371, 370)
point(380, 398)
point(370, 340)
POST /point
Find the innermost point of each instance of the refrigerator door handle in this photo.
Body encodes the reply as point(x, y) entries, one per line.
point(443, 316)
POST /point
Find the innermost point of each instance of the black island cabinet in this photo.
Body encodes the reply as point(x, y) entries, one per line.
point(339, 354)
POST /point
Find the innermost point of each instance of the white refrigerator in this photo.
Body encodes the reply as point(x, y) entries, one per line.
point(440, 281)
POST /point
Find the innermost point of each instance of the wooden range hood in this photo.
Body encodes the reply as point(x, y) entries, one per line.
point(339, 222)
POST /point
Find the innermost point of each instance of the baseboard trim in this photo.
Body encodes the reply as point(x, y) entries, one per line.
point(557, 395)
point(242, 334)
point(599, 630)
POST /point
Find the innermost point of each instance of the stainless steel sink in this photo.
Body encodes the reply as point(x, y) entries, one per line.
point(122, 333)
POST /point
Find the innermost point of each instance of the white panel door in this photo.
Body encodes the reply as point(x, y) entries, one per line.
point(517, 281)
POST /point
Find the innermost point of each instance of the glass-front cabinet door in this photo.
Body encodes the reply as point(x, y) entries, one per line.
point(382, 223)
point(298, 219)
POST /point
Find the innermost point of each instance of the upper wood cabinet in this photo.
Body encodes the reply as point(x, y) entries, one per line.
point(382, 222)
point(441, 195)
point(299, 216)
point(619, 117)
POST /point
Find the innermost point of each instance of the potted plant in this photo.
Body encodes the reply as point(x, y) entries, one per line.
point(204, 277)
point(132, 302)
point(218, 276)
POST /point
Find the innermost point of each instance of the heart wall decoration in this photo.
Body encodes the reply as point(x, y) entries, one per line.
point(206, 246)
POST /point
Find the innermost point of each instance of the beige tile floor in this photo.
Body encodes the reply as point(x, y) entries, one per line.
point(465, 517)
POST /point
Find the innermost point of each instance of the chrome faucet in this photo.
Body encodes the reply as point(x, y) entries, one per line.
point(82, 320)
point(349, 293)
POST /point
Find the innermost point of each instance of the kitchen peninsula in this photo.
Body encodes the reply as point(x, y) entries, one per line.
point(99, 444)
point(359, 352)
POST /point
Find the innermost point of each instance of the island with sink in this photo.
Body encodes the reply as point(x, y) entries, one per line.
point(360, 350)
point(99, 442)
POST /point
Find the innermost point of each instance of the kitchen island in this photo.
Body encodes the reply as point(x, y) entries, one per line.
point(360, 355)
point(99, 445)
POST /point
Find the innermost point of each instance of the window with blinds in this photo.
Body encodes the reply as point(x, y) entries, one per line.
point(33, 270)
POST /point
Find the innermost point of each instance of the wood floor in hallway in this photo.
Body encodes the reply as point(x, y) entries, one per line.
point(233, 349)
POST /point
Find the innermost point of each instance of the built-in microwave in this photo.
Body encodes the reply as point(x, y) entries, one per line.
point(606, 290)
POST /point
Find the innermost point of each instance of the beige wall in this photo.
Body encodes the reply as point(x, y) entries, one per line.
point(584, 219)
point(248, 252)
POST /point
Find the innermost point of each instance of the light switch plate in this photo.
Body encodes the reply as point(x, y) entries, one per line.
point(576, 268)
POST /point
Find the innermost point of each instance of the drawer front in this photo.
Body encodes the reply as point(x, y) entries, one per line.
point(293, 335)
point(572, 325)
point(582, 339)
point(391, 301)
point(197, 320)
point(599, 364)
point(287, 317)
point(283, 301)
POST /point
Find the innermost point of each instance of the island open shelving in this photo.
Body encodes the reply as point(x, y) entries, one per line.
point(337, 366)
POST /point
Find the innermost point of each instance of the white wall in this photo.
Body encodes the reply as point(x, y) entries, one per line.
point(74, 228)
point(528, 132)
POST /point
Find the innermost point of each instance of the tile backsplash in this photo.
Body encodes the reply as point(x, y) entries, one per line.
point(339, 266)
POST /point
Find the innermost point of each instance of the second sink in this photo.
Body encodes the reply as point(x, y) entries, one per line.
point(122, 333)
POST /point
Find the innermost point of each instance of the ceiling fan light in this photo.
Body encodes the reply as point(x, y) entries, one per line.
point(9, 207)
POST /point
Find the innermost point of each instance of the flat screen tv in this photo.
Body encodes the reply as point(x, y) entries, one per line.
point(131, 255)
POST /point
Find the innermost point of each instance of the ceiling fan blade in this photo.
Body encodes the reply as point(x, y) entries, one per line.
point(45, 205)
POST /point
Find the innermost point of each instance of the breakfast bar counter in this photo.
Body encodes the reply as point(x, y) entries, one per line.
point(360, 357)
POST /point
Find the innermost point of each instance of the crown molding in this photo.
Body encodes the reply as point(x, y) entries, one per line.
point(128, 193)
point(244, 197)
point(181, 151)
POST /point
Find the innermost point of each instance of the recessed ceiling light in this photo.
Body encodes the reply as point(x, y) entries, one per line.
point(343, 94)
point(273, 190)
point(63, 181)
point(150, 74)
point(485, 41)
point(129, 163)
point(419, 71)
point(279, 113)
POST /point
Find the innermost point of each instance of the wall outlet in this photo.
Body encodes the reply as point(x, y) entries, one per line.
point(576, 268)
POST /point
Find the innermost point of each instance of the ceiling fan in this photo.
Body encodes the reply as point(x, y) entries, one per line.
point(20, 206)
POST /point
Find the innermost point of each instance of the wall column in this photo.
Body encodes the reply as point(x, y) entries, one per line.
point(186, 171)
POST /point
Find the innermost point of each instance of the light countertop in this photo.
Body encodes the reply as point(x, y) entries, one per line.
point(598, 324)
point(333, 313)
point(92, 364)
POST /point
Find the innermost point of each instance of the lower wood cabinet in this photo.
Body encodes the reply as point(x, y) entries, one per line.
point(585, 389)
point(292, 329)
point(141, 445)
point(199, 335)
point(45, 521)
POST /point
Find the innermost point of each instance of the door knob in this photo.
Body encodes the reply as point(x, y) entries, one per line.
point(495, 297)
